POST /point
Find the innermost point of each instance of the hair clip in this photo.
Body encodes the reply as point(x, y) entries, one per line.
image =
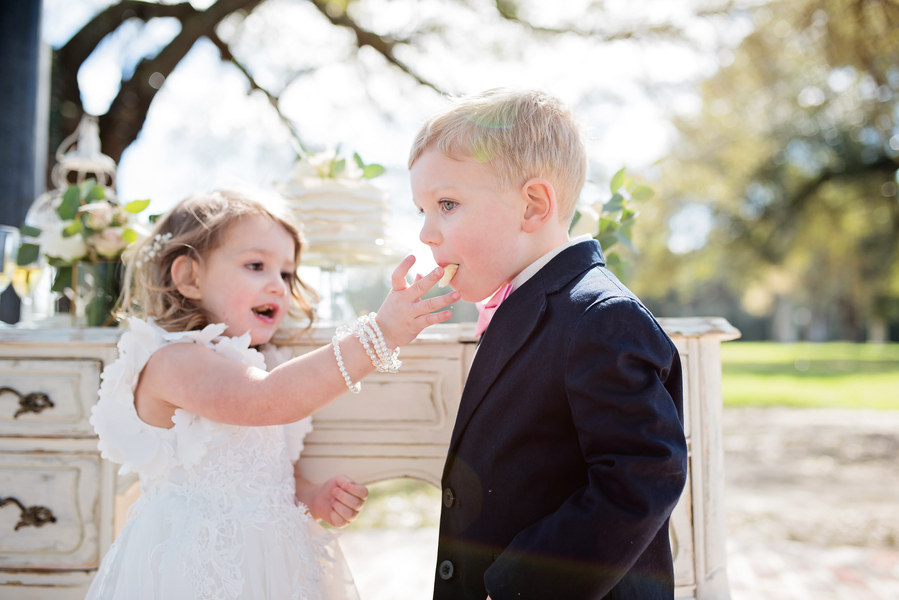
point(150, 251)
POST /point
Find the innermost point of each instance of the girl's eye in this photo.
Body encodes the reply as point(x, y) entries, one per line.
point(255, 266)
point(287, 276)
point(447, 205)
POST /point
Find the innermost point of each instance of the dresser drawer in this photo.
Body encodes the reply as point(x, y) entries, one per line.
point(48, 397)
point(67, 484)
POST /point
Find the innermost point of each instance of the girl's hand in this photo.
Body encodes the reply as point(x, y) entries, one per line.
point(337, 501)
point(404, 315)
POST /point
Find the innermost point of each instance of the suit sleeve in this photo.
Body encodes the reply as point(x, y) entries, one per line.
point(623, 385)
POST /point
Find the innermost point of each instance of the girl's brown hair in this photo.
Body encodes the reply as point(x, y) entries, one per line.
point(197, 226)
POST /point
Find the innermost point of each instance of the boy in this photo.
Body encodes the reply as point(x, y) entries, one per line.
point(568, 452)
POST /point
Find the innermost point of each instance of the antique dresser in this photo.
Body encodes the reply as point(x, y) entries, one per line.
point(58, 513)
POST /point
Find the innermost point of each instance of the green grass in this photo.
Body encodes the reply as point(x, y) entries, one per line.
point(837, 375)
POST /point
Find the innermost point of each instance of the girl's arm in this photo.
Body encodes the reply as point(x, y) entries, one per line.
point(202, 381)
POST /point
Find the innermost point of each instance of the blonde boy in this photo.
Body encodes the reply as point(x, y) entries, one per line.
point(568, 452)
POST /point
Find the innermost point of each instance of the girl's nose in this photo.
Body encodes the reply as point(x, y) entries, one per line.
point(278, 285)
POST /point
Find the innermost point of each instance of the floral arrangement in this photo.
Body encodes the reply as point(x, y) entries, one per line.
point(329, 164)
point(92, 228)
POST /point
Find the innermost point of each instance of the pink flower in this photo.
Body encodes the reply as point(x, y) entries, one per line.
point(99, 215)
point(108, 243)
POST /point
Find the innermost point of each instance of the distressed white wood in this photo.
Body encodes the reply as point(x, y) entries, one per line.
point(67, 483)
point(71, 386)
point(399, 426)
point(51, 459)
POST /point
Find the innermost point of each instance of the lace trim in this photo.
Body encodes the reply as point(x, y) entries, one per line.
point(151, 451)
point(208, 540)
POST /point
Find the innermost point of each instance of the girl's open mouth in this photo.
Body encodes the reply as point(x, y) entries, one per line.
point(266, 312)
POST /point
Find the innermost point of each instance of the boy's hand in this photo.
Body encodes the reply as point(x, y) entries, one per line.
point(403, 315)
point(337, 501)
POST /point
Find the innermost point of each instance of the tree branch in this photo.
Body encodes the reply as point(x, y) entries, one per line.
point(274, 100)
point(382, 44)
point(128, 111)
point(508, 10)
point(782, 216)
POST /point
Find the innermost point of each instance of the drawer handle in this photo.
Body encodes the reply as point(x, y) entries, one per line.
point(34, 402)
point(33, 516)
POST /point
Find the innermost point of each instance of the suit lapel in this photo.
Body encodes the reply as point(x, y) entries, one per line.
point(514, 322)
point(511, 326)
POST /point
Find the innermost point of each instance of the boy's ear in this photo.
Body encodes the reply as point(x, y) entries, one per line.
point(186, 277)
point(540, 198)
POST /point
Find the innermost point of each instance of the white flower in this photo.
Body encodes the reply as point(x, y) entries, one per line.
point(109, 242)
point(321, 164)
point(99, 214)
point(588, 223)
point(68, 249)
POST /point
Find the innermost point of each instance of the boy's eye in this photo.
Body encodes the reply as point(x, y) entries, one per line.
point(447, 205)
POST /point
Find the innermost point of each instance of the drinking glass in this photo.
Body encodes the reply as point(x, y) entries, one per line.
point(24, 281)
point(9, 248)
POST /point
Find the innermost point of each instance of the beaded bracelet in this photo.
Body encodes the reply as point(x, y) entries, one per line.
point(387, 361)
point(335, 342)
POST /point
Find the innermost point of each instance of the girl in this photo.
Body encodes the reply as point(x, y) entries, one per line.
point(213, 436)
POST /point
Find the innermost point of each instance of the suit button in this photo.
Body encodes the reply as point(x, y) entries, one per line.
point(446, 570)
point(448, 497)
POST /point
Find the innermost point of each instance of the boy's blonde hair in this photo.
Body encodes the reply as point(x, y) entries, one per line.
point(520, 134)
point(197, 226)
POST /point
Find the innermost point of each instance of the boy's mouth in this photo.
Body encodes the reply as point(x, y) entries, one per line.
point(266, 312)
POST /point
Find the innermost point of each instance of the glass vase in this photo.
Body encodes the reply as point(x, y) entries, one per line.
point(95, 290)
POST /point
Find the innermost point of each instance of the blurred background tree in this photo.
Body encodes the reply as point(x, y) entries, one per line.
point(781, 189)
point(776, 206)
point(241, 40)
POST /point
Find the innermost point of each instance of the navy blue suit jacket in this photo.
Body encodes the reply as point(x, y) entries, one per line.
point(568, 452)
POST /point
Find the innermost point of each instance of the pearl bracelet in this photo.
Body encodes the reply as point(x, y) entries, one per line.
point(387, 361)
point(335, 342)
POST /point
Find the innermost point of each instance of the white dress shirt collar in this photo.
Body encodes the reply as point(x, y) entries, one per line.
point(541, 262)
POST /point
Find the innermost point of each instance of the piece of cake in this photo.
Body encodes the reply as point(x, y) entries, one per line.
point(449, 271)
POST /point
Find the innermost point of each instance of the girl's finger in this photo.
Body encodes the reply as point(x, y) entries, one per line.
point(351, 500)
point(433, 318)
point(421, 287)
point(345, 512)
point(356, 489)
point(398, 279)
point(443, 301)
point(337, 520)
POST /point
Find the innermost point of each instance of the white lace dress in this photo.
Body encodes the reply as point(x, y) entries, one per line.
point(217, 516)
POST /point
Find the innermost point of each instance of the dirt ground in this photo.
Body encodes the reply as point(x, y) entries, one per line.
point(826, 477)
point(812, 502)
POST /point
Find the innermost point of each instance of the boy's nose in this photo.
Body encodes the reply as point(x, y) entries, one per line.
point(429, 234)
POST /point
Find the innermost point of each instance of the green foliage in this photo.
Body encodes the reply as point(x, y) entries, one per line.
point(368, 171)
point(795, 152)
point(63, 278)
point(29, 231)
point(617, 217)
point(137, 206)
point(28, 253)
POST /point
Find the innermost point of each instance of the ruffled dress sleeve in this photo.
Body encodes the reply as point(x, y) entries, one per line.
point(140, 448)
point(294, 433)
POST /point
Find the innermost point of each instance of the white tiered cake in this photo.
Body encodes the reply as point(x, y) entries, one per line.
point(344, 217)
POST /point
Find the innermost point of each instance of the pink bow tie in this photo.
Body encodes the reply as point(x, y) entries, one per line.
point(487, 308)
